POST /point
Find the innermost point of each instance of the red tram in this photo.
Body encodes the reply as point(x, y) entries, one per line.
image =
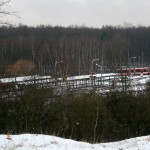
point(134, 71)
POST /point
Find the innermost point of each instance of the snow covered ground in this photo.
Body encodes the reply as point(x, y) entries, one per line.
point(103, 82)
point(23, 78)
point(138, 79)
point(46, 142)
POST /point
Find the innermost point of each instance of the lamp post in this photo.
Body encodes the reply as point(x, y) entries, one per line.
point(134, 62)
point(142, 58)
point(92, 64)
point(139, 61)
point(99, 66)
point(131, 59)
point(92, 69)
point(101, 71)
point(57, 62)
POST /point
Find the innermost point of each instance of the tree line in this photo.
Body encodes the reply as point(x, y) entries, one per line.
point(70, 50)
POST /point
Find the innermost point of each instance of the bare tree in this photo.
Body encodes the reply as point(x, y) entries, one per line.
point(4, 13)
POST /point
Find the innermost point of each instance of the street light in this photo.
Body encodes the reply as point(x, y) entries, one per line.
point(92, 69)
point(131, 59)
point(93, 62)
point(57, 62)
point(101, 71)
point(99, 66)
point(134, 62)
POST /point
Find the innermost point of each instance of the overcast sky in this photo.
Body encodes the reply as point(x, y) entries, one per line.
point(93, 13)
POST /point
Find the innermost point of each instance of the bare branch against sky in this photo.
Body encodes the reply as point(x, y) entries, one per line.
point(78, 12)
point(4, 12)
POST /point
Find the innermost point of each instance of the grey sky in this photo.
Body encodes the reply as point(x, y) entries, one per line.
point(78, 12)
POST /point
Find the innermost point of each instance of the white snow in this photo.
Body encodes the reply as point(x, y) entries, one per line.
point(47, 142)
point(23, 78)
point(141, 79)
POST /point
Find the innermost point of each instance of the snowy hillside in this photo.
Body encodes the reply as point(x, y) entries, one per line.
point(45, 142)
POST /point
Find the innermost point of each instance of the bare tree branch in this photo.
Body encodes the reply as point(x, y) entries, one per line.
point(3, 13)
point(4, 2)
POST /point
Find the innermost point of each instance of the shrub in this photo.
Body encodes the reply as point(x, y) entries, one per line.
point(90, 117)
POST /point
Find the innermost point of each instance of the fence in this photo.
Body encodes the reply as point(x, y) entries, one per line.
point(101, 82)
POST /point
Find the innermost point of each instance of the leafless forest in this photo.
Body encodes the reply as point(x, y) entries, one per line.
point(75, 47)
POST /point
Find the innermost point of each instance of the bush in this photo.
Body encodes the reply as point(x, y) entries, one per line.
point(90, 117)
